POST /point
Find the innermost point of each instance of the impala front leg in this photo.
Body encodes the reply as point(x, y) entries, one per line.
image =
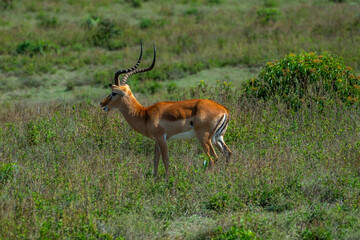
point(164, 153)
point(156, 158)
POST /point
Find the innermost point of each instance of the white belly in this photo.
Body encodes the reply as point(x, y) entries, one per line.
point(184, 135)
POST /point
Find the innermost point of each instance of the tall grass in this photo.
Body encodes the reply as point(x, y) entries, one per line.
point(72, 171)
point(69, 170)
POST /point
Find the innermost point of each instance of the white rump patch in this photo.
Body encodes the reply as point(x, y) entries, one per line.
point(184, 135)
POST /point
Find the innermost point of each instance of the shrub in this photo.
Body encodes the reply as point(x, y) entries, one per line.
point(101, 77)
point(266, 15)
point(47, 21)
point(145, 23)
point(297, 79)
point(103, 32)
point(31, 48)
point(7, 171)
point(172, 87)
point(218, 202)
point(6, 4)
point(235, 232)
point(134, 3)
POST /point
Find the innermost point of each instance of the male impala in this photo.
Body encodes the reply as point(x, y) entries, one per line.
point(201, 118)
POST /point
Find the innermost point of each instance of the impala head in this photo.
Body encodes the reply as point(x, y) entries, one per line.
point(120, 89)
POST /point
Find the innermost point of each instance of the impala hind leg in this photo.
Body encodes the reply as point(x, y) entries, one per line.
point(209, 151)
point(218, 138)
point(224, 149)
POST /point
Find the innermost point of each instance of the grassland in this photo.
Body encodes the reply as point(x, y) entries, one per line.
point(69, 170)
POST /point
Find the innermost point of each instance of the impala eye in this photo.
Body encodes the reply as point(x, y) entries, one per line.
point(113, 93)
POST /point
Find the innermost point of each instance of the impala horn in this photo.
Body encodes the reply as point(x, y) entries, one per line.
point(117, 74)
point(123, 81)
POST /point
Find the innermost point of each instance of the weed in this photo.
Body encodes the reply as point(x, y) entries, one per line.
point(235, 232)
point(103, 33)
point(317, 233)
point(7, 171)
point(102, 77)
point(92, 22)
point(219, 202)
point(47, 21)
point(134, 3)
point(145, 23)
point(171, 87)
point(267, 15)
point(32, 48)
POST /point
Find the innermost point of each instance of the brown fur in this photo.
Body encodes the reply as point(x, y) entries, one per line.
point(167, 119)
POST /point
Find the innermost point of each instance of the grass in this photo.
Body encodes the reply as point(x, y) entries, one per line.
point(72, 171)
point(69, 170)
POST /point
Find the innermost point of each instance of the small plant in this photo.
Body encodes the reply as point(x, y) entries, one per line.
point(218, 202)
point(297, 79)
point(103, 32)
point(32, 48)
point(134, 3)
point(70, 85)
point(47, 21)
point(33, 133)
point(92, 22)
point(7, 171)
point(266, 15)
point(145, 23)
point(235, 232)
point(101, 77)
point(154, 87)
point(316, 233)
point(192, 11)
point(214, 1)
point(172, 87)
point(6, 4)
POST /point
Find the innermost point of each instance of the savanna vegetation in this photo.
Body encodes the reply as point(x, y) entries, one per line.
point(288, 71)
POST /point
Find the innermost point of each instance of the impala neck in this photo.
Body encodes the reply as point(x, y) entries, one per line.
point(134, 113)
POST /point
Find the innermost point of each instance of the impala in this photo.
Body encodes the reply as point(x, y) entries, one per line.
point(201, 118)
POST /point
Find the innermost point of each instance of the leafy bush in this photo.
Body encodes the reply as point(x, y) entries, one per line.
point(218, 202)
point(145, 23)
point(171, 87)
point(6, 4)
point(101, 77)
point(47, 21)
point(235, 232)
point(31, 48)
point(134, 3)
point(7, 171)
point(296, 79)
point(103, 32)
point(266, 15)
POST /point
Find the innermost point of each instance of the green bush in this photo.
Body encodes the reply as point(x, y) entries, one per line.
point(145, 23)
point(218, 202)
point(31, 48)
point(305, 77)
point(103, 32)
point(134, 3)
point(266, 15)
point(235, 232)
point(47, 21)
point(7, 171)
point(92, 22)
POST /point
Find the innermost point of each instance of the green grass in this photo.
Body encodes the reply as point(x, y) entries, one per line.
point(73, 171)
point(69, 170)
